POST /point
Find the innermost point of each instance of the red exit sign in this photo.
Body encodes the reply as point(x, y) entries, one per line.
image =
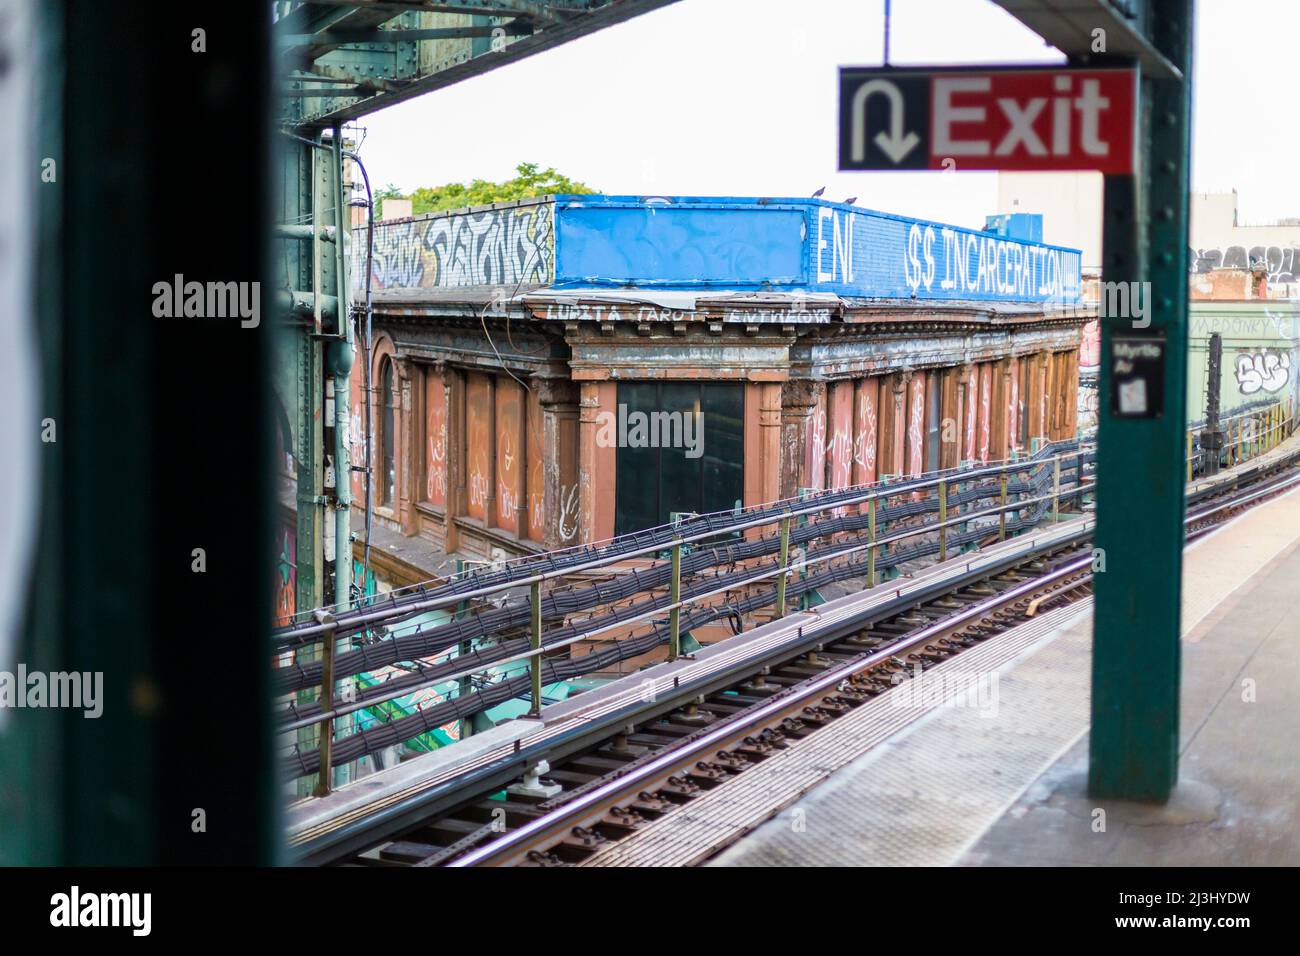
point(1016, 118)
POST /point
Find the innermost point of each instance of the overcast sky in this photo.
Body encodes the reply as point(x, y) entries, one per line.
point(738, 97)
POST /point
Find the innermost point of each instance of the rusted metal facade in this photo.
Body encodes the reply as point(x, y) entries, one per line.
point(509, 356)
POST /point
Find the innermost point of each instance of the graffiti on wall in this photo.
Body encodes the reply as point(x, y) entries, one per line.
point(839, 447)
point(864, 442)
point(570, 502)
point(1267, 371)
point(435, 463)
point(916, 425)
point(1013, 407)
point(536, 469)
point(493, 247)
point(1281, 262)
point(286, 577)
point(972, 400)
point(986, 409)
point(815, 446)
point(509, 465)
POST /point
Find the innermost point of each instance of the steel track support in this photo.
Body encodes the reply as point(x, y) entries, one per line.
point(535, 642)
point(675, 595)
point(785, 564)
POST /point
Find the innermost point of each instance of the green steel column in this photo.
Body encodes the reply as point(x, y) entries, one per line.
point(943, 518)
point(675, 595)
point(785, 563)
point(341, 370)
point(1056, 489)
point(871, 537)
point(325, 739)
point(535, 642)
point(1002, 506)
point(1135, 672)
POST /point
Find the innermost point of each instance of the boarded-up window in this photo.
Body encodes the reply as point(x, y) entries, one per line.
point(510, 452)
point(839, 444)
point(479, 441)
point(916, 424)
point(933, 420)
point(535, 440)
point(866, 430)
point(435, 440)
point(986, 411)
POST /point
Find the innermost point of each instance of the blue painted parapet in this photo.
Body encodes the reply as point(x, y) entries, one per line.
point(794, 244)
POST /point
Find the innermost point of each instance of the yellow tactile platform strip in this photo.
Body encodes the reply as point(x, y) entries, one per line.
point(732, 809)
point(925, 796)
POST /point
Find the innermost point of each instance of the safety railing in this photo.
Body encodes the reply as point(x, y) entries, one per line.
point(1246, 435)
point(1036, 484)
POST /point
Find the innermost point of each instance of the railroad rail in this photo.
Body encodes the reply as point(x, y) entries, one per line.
point(637, 765)
point(707, 568)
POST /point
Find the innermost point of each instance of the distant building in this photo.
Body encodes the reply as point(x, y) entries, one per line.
point(1249, 272)
point(812, 344)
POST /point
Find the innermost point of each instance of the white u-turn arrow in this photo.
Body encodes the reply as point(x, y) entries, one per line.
point(895, 144)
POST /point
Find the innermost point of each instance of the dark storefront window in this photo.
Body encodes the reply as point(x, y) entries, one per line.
point(704, 473)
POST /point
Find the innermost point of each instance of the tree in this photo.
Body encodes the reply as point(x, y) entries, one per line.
point(528, 182)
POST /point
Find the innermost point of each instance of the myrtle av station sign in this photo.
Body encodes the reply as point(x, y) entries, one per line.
point(1013, 118)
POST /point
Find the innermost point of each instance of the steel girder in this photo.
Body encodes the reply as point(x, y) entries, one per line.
point(340, 60)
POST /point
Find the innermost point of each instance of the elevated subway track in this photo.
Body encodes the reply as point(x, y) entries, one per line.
point(864, 532)
point(592, 740)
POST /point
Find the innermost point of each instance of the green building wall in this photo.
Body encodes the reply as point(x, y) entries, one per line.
point(1261, 353)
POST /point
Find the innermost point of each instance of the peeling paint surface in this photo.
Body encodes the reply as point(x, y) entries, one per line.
point(479, 439)
point(986, 408)
point(435, 441)
point(916, 424)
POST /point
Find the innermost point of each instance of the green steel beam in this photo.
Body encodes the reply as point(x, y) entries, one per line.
point(1072, 28)
point(1136, 656)
point(147, 466)
point(307, 37)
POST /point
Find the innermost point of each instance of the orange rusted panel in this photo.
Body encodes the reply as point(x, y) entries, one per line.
point(1013, 406)
point(866, 429)
point(535, 438)
point(479, 442)
point(510, 456)
point(814, 446)
point(435, 440)
point(969, 450)
point(986, 410)
point(839, 440)
point(916, 424)
point(567, 518)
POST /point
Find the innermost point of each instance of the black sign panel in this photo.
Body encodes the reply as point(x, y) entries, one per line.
point(1137, 376)
point(884, 119)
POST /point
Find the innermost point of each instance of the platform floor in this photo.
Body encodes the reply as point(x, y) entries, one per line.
point(966, 786)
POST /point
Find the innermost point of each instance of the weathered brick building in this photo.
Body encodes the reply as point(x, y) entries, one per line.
point(818, 345)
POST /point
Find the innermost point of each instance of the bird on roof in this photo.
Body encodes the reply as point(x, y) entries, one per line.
point(819, 192)
point(851, 200)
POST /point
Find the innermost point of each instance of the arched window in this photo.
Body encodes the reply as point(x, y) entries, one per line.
point(387, 434)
